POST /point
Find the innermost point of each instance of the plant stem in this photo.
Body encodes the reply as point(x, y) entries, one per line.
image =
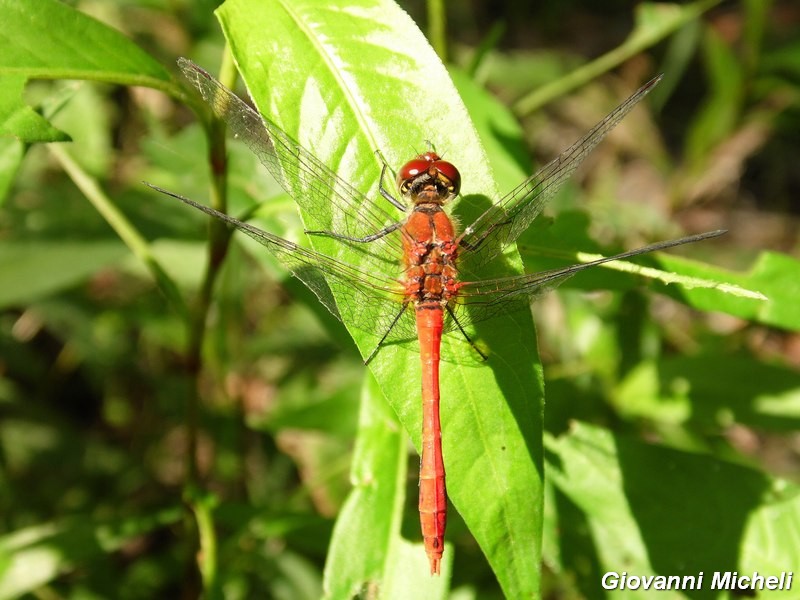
point(654, 23)
point(139, 246)
point(436, 28)
point(219, 239)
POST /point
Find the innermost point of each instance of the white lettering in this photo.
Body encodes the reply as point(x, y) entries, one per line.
point(721, 581)
point(661, 583)
point(731, 580)
point(614, 581)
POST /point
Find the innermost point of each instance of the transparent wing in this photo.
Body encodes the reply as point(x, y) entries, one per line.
point(481, 300)
point(368, 301)
point(328, 202)
point(503, 222)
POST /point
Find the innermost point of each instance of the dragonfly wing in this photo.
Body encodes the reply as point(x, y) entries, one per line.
point(503, 222)
point(367, 301)
point(328, 202)
point(481, 300)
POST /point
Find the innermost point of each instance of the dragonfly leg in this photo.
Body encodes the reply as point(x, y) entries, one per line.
point(383, 232)
point(464, 333)
point(362, 240)
point(386, 193)
point(386, 334)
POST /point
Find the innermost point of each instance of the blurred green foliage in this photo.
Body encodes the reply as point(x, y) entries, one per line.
point(173, 427)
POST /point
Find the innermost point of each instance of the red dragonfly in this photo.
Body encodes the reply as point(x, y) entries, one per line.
point(409, 266)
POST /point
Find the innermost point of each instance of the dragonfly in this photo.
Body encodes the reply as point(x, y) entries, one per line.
point(407, 282)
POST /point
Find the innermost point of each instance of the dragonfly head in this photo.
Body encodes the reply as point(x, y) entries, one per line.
point(428, 179)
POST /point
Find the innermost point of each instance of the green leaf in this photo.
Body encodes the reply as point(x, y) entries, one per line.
point(711, 392)
point(556, 245)
point(31, 557)
point(47, 39)
point(775, 275)
point(348, 79)
point(652, 510)
point(723, 104)
point(19, 120)
point(31, 271)
point(12, 151)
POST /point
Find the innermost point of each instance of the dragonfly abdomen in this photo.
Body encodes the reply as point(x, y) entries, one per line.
point(432, 492)
point(431, 281)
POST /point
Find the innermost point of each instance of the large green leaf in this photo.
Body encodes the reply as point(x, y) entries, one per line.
point(347, 79)
point(47, 39)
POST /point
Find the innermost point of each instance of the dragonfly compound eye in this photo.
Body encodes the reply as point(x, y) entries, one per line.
point(443, 173)
point(449, 176)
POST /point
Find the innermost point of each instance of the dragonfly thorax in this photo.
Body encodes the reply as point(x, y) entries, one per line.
point(427, 179)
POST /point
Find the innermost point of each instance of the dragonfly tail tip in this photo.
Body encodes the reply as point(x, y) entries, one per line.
point(434, 560)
